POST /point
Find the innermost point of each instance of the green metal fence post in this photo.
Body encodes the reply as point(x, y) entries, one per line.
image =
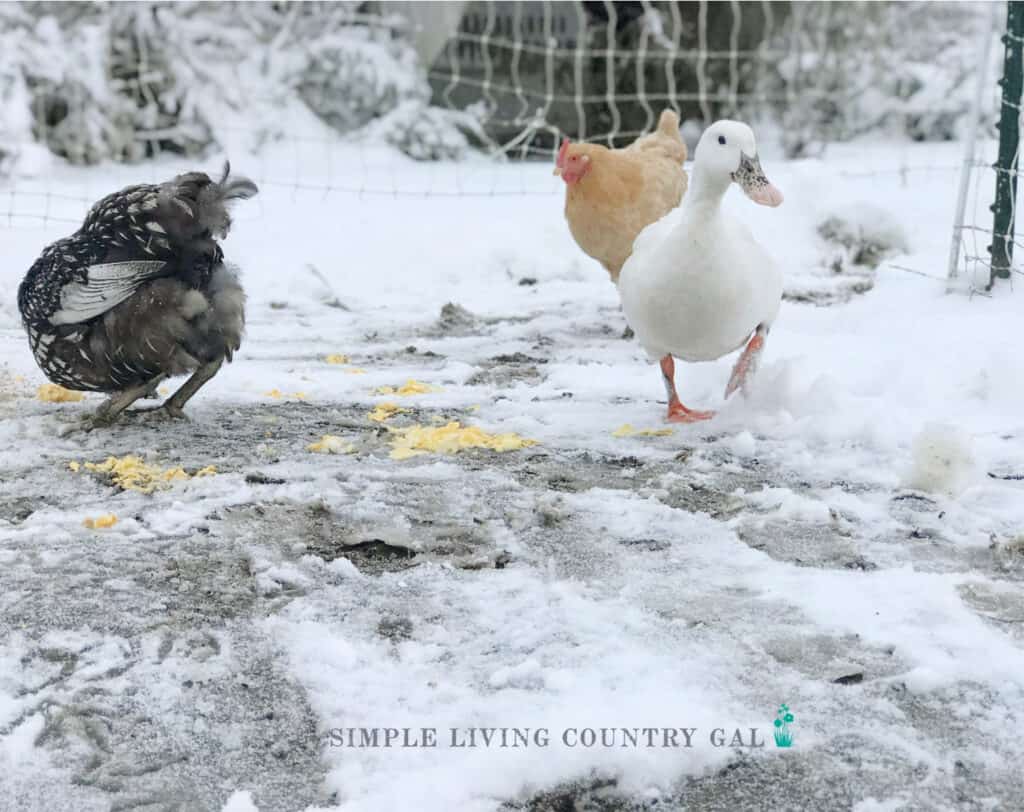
point(1009, 134)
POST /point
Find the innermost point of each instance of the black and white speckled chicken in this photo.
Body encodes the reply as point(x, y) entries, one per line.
point(140, 293)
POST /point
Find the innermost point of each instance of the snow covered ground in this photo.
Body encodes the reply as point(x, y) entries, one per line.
point(849, 540)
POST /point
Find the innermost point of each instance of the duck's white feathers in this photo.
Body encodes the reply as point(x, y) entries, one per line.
point(698, 284)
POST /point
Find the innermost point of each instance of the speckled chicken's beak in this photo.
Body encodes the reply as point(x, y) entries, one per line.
point(753, 182)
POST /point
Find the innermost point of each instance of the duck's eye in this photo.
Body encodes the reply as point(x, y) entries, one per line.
point(721, 139)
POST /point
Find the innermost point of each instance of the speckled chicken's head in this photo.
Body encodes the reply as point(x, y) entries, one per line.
point(728, 148)
point(209, 212)
point(574, 161)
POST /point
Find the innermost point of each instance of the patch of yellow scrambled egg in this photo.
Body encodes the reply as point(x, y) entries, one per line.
point(627, 430)
point(130, 473)
point(407, 389)
point(101, 522)
point(331, 444)
point(51, 393)
point(450, 439)
point(385, 411)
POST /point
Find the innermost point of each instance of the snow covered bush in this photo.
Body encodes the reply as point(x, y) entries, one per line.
point(368, 77)
point(15, 101)
point(852, 68)
point(74, 112)
point(862, 235)
point(125, 81)
point(95, 82)
point(427, 133)
point(147, 74)
point(358, 73)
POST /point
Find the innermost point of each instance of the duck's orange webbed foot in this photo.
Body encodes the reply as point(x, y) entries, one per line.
point(677, 412)
point(746, 363)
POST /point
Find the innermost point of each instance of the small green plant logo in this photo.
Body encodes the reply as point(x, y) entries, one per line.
point(783, 733)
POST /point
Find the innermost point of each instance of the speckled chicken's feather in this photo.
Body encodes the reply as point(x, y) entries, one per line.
point(138, 242)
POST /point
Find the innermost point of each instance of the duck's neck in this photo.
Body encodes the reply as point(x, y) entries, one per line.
point(706, 191)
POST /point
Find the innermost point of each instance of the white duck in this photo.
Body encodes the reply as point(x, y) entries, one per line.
point(697, 283)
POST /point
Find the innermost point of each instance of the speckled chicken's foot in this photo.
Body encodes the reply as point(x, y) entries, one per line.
point(173, 406)
point(112, 407)
point(176, 402)
point(158, 413)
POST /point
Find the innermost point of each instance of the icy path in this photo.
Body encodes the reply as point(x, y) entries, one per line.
point(210, 640)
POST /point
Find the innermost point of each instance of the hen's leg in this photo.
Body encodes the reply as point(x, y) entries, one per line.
point(677, 412)
point(746, 365)
point(115, 404)
point(176, 402)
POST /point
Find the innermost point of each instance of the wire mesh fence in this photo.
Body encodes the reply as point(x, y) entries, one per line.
point(984, 233)
point(318, 96)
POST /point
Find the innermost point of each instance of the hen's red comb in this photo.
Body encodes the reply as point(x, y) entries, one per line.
point(562, 151)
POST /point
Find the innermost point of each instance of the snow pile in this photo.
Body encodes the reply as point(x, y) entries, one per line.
point(942, 460)
point(240, 801)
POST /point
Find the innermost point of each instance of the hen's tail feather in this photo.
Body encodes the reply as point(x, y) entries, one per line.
point(668, 123)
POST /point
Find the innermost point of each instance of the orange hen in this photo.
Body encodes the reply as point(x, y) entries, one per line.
point(611, 195)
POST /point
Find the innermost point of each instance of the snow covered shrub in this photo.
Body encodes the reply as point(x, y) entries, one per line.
point(864, 235)
point(152, 75)
point(51, 86)
point(98, 82)
point(854, 68)
point(855, 240)
point(366, 79)
point(12, 133)
point(73, 111)
point(426, 133)
point(125, 81)
point(357, 74)
point(12, 92)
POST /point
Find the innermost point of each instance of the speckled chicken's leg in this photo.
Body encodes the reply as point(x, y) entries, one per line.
point(115, 404)
point(176, 402)
point(746, 364)
point(677, 412)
